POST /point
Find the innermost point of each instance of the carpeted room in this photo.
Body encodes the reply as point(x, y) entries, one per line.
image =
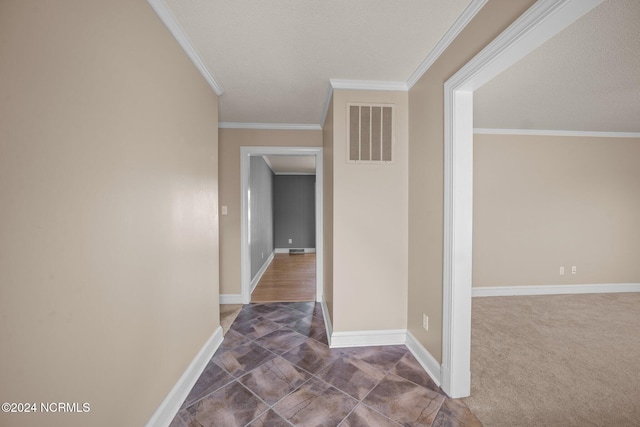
point(555, 226)
point(556, 360)
point(542, 206)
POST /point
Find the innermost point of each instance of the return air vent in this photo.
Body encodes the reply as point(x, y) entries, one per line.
point(370, 131)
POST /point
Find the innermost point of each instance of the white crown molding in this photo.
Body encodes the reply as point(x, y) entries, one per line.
point(594, 134)
point(268, 126)
point(537, 25)
point(172, 402)
point(327, 102)
point(368, 85)
point(467, 15)
point(601, 288)
point(426, 360)
point(368, 338)
point(170, 21)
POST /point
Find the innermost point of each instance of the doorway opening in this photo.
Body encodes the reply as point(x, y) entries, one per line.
point(542, 21)
point(303, 256)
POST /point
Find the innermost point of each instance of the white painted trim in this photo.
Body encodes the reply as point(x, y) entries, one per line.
point(319, 225)
point(538, 24)
point(327, 319)
point(231, 299)
point(368, 85)
point(593, 134)
point(268, 162)
point(465, 17)
point(170, 406)
point(295, 173)
point(368, 338)
point(286, 250)
point(170, 21)
point(457, 248)
point(327, 102)
point(269, 126)
point(245, 265)
point(258, 276)
point(599, 288)
point(426, 360)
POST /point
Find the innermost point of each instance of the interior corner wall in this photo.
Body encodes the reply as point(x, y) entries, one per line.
point(542, 202)
point(261, 189)
point(369, 225)
point(426, 168)
point(108, 189)
point(327, 206)
point(230, 141)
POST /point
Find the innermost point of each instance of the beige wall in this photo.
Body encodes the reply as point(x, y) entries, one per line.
point(426, 120)
point(108, 195)
point(369, 225)
point(327, 204)
point(229, 173)
point(542, 202)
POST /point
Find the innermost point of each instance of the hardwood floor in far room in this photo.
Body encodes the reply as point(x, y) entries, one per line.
point(289, 278)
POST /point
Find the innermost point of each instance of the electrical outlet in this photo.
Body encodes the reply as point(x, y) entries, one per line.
point(290, 241)
point(562, 271)
point(574, 270)
point(262, 255)
point(425, 322)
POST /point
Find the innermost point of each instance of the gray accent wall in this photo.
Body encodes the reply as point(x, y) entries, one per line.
point(261, 213)
point(294, 211)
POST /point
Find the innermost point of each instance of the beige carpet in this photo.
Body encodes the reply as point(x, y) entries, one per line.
point(565, 360)
point(228, 313)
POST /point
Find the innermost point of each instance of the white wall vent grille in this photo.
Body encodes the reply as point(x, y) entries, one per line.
point(370, 133)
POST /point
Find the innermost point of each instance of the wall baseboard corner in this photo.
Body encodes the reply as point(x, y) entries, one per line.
point(426, 360)
point(231, 299)
point(170, 406)
point(368, 338)
point(258, 276)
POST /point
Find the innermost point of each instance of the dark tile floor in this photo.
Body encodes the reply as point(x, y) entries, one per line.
point(274, 368)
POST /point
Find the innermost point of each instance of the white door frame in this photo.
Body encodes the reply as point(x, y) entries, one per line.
point(245, 264)
point(542, 21)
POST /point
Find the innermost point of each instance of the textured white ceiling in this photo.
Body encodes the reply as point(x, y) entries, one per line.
point(274, 58)
point(586, 78)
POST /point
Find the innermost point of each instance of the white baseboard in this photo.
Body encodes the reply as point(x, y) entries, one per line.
point(231, 299)
point(260, 272)
point(603, 288)
point(368, 338)
point(426, 360)
point(327, 319)
point(286, 250)
point(170, 406)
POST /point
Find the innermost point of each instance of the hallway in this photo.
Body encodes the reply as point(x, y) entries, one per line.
point(289, 278)
point(274, 368)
